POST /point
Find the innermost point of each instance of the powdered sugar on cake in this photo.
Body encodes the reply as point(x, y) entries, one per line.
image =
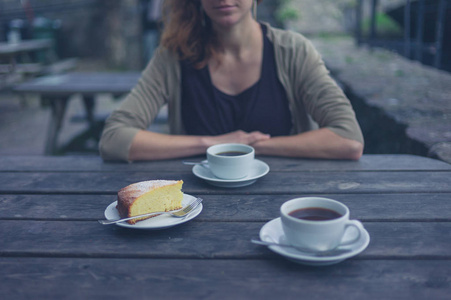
point(137, 189)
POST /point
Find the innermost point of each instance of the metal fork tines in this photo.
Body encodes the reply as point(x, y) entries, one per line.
point(186, 210)
point(181, 213)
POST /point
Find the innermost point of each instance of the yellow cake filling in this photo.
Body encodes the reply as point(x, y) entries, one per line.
point(150, 196)
point(162, 199)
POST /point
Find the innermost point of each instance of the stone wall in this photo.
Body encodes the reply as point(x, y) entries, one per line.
point(402, 106)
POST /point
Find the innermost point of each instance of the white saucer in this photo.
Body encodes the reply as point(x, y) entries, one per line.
point(158, 222)
point(259, 169)
point(273, 232)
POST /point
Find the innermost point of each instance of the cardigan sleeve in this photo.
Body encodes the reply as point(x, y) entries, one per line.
point(138, 109)
point(322, 98)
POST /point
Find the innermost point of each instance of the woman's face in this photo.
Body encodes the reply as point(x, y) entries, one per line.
point(226, 13)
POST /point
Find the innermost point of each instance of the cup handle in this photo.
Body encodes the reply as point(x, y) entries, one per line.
point(356, 224)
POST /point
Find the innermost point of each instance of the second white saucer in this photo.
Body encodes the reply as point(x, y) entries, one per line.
point(273, 232)
point(258, 169)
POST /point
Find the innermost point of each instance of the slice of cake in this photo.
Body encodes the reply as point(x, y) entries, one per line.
point(149, 196)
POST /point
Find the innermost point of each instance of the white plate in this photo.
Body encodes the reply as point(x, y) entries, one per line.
point(158, 222)
point(259, 169)
point(273, 232)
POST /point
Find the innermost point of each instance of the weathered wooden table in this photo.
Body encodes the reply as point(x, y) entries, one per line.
point(19, 59)
point(11, 51)
point(52, 246)
point(58, 89)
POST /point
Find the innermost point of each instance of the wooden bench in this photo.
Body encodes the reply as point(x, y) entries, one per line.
point(57, 90)
point(37, 69)
point(17, 63)
point(61, 66)
point(30, 68)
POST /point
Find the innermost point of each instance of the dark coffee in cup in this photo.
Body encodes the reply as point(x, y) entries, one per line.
point(317, 223)
point(315, 214)
point(231, 153)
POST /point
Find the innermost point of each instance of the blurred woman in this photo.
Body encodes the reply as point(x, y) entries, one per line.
point(228, 78)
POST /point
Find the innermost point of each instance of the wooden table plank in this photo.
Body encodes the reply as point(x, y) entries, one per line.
point(195, 239)
point(53, 247)
point(11, 49)
point(83, 164)
point(87, 83)
point(367, 207)
point(276, 279)
point(46, 278)
point(334, 182)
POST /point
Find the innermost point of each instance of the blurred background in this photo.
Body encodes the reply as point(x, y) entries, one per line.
point(391, 57)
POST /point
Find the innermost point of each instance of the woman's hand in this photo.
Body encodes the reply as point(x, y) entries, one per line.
point(238, 136)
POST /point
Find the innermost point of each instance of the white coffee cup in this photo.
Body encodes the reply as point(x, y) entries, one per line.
point(317, 235)
point(230, 161)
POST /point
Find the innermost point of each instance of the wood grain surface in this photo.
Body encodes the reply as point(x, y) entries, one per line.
point(52, 246)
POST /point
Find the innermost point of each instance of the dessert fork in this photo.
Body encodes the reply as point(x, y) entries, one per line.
point(183, 212)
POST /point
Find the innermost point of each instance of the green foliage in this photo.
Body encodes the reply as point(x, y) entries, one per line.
point(385, 26)
point(285, 12)
point(399, 73)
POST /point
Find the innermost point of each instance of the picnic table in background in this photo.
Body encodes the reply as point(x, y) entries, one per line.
point(28, 58)
point(53, 247)
point(58, 89)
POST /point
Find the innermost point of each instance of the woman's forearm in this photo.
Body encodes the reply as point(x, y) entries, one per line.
point(153, 146)
point(321, 143)
point(148, 145)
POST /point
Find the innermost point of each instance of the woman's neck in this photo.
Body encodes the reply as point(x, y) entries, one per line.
point(237, 40)
point(237, 62)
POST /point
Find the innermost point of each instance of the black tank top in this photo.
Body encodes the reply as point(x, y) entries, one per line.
point(263, 106)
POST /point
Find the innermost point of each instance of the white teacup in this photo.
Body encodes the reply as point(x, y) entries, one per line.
point(317, 235)
point(230, 161)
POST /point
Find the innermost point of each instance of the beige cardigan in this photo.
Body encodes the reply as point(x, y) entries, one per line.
point(315, 100)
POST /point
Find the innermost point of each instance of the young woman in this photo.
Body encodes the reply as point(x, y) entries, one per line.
point(228, 78)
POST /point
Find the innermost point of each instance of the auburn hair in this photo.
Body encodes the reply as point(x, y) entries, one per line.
point(187, 31)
